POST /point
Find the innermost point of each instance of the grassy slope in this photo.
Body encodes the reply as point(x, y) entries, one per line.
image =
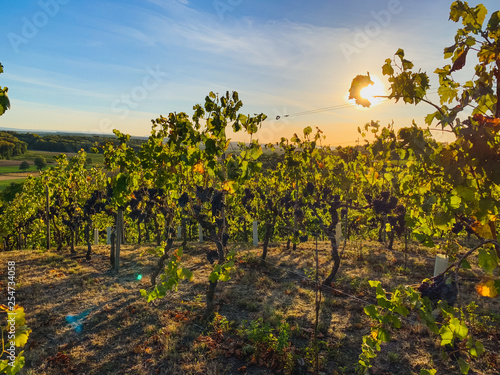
point(97, 159)
point(5, 183)
point(15, 169)
point(30, 156)
point(122, 334)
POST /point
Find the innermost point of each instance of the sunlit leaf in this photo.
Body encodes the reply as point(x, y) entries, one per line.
point(359, 83)
point(487, 288)
point(482, 230)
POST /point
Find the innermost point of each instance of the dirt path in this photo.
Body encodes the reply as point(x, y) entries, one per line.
point(10, 163)
point(17, 176)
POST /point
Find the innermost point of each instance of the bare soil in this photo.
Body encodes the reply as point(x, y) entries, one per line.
point(120, 333)
point(17, 175)
point(9, 163)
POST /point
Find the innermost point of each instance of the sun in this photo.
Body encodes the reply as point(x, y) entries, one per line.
point(374, 93)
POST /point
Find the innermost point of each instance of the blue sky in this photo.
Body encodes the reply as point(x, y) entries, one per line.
point(94, 66)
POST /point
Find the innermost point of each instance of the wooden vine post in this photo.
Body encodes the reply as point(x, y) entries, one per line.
point(47, 215)
point(118, 240)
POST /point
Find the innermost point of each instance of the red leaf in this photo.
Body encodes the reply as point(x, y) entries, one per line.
point(460, 61)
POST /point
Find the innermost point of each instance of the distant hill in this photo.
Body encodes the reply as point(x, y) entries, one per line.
point(65, 142)
point(59, 132)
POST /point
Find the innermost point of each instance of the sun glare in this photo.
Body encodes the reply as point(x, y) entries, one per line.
point(374, 92)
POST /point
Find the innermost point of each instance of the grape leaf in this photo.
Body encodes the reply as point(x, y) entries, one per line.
point(487, 288)
point(359, 83)
point(460, 61)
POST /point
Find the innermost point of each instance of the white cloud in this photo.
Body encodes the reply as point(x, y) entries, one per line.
point(47, 80)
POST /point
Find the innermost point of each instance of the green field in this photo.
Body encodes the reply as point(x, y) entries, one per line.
point(30, 155)
point(15, 168)
point(5, 183)
point(13, 164)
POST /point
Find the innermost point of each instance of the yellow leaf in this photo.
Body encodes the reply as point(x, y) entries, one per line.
point(486, 288)
point(22, 332)
point(198, 168)
point(228, 186)
point(482, 230)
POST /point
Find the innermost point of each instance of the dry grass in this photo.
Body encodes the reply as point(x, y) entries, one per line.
point(122, 334)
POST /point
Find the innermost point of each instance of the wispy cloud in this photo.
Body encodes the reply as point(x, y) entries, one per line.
point(46, 80)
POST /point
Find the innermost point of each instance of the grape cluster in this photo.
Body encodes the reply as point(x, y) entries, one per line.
point(183, 200)
point(212, 256)
point(397, 220)
point(247, 198)
point(384, 204)
point(204, 194)
point(95, 204)
point(109, 191)
point(74, 218)
point(261, 193)
point(439, 290)
point(137, 213)
point(270, 204)
point(459, 225)
point(287, 201)
point(197, 210)
point(150, 198)
point(310, 188)
point(217, 202)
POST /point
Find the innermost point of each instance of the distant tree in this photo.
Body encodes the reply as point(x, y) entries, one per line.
point(24, 165)
point(40, 162)
point(4, 99)
point(11, 146)
point(9, 193)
